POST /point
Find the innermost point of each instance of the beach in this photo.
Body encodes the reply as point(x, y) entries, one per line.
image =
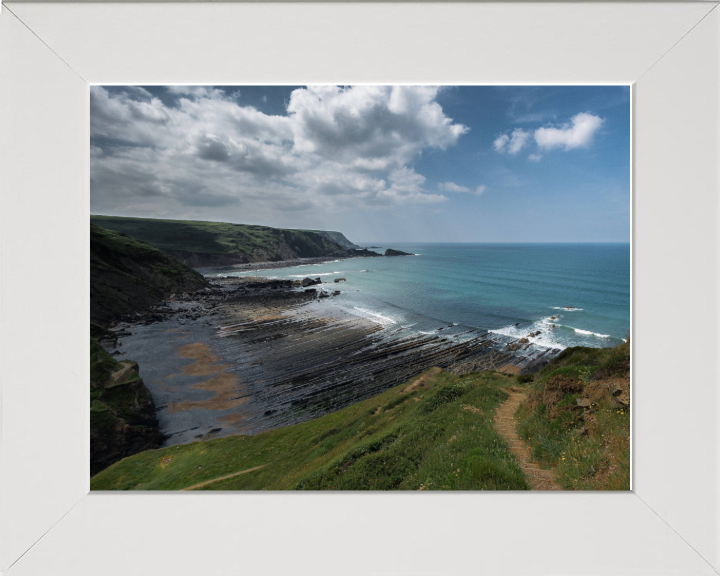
point(250, 354)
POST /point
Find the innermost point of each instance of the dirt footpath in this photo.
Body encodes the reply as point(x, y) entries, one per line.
point(505, 423)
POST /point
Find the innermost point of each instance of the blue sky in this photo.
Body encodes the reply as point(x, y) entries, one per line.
point(378, 163)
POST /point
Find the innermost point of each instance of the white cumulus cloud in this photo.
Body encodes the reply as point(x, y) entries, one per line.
point(335, 148)
point(514, 143)
point(452, 187)
point(500, 142)
point(576, 134)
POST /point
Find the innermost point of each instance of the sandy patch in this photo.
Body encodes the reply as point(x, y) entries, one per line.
point(226, 387)
point(424, 380)
point(205, 360)
point(509, 369)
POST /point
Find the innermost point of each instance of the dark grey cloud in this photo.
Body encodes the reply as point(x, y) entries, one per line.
point(208, 199)
point(210, 149)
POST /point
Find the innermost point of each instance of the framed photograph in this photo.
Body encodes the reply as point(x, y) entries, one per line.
point(145, 118)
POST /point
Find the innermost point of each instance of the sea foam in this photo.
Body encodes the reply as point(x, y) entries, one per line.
point(384, 320)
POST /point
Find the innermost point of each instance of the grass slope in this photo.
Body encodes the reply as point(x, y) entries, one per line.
point(122, 411)
point(436, 434)
point(255, 243)
point(128, 275)
point(589, 445)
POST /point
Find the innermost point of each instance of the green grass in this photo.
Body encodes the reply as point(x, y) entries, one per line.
point(122, 413)
point(101, 364)
point(224, 238)
point(590, 449)
point(123, 400)
point(128, 275)
point(422, 439)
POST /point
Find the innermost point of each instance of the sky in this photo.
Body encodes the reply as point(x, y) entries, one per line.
point(377, 163)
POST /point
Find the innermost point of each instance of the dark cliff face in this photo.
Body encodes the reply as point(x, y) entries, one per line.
point(363, 252)
point(308, 244)
point(129, 276)
point(122, 411)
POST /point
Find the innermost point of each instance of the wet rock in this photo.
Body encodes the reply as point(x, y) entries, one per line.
point(340, 280)
point(270, 285)
point(391, 252)
point(310, 282)
point(362, 252)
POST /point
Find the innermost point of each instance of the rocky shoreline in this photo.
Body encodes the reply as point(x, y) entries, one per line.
point(272, 265)
point(290, 263)
point(250, 354)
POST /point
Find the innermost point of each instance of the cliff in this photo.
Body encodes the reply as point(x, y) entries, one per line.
point(122, 411)
point(205, 244)
point(433, 432)
point(129, 276)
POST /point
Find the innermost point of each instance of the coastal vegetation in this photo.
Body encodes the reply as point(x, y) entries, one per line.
point(128, 275)
point(434, 432)
point(122, 411)
point(576, 418)
point(199, 244)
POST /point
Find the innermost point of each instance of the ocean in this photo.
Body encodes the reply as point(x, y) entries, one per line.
point(509, 289)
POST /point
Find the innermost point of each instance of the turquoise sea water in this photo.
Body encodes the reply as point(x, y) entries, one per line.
point(510, 289)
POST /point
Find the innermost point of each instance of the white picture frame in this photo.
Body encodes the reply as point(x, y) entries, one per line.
point(51, 524)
